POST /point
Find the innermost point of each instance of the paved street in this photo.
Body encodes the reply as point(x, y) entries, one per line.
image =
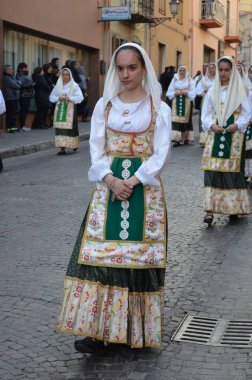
point(209, 272)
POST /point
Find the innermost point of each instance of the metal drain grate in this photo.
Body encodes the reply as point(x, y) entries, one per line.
point(214, 332)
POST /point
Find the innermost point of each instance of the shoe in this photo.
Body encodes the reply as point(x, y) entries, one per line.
point(26, 129)
point(175, 144)
point(11, 130)
point(89, 345)
point(75, 149)
point(208, 219)
point(61, 152)
point(233, 218)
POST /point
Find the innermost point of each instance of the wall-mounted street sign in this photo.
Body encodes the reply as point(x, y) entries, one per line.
point(115, 13)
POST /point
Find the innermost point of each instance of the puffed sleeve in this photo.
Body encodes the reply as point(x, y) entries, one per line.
point(191, 91)
point(199, 89)
point(171, 90)
point(99, 161)
point(77, 97)
point(53, 97)
point(152, 167)
point(207, 113)
point(245, 115)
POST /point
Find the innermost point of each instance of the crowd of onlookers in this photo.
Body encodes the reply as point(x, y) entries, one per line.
point(19, 89)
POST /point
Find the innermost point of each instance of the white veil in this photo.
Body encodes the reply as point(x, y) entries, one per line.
point(113, 85)
point(235, 95)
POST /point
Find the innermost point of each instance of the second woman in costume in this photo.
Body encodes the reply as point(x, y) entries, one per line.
point(66, 94)
point(182, 93)
point(225, 115)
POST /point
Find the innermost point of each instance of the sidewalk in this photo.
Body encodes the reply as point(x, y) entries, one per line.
point(17, 144)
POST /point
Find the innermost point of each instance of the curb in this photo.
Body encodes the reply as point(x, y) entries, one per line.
point(21, 150)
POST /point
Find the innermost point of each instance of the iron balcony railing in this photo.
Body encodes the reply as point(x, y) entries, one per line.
point(143, 8)
point(212, 9)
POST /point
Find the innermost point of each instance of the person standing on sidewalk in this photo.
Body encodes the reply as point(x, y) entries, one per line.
point(26, 93)
point(66, 94)
point(225, 116)
point(42, 93)
point(11, 96)
point(182, 93)
point(2, 111)
point(115, 279)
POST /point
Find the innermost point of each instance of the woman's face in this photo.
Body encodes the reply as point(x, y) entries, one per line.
point(182, 72)
point(225, 70)
point(211, 70)
point(250, 73)
point(239, 69)
point(65, 76)
point(49, 70)
point(129, 69)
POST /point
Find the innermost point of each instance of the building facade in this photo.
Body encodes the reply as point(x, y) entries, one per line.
point(36, 33)
point(245, 49)
point(214, 31)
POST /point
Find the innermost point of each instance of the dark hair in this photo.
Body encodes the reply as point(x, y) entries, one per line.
point(226, 61)
point(73, 63)
point(21, 65)
point(138, 53)
point(54, 61)
point(46, 66)
point(37, 70)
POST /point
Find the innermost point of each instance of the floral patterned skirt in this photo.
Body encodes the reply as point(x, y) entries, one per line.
point(183, 131)
point(68, 138)
point(115, 305)
point(226, 193)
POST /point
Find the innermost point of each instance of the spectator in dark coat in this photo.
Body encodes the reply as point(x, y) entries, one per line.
point(26, 93)
point(55, 70)
point(42, 92)
point(74, 70)
point(11, 96)
point(165, 80)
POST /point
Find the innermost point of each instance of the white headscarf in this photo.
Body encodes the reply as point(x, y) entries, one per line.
point(182, 83)
point(206, 81)
point(236, 93)
point(113, 86)
point(58, 90)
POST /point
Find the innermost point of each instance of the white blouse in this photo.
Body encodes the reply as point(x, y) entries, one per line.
point(201, 86)
point(137, 119)
point(181, 85)
point(76, 98)
point(208, 115)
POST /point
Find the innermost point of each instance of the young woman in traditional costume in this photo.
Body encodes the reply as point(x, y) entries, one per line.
point(115, 278)
point(248, 134)
point(201, 90)
point(66, 94)
point(225, 115)
point(182, 93)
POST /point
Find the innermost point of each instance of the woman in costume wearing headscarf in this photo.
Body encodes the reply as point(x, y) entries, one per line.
point(66, 94)
point(115, 278)
point(248, 134)
point(241, 71)
point(225, 115)
point(201, 90)
point(182, 93)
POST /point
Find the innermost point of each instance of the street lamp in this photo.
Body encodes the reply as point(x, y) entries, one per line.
point(174, 7)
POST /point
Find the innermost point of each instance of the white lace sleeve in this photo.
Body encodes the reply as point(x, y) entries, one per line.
point(151, 168)
point(99, 161)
